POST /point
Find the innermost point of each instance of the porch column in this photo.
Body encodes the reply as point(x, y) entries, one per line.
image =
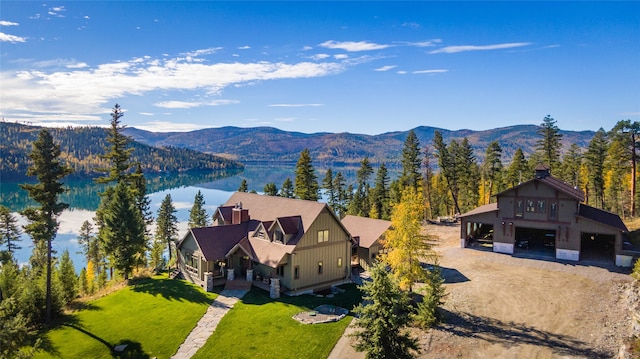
point(274, 291)
point(230, 275)
point(249, 275)
point(208, 276)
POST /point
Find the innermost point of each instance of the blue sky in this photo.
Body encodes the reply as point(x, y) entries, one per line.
point(359, 67)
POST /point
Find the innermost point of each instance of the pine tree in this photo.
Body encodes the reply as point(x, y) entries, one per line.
point(306, 183)
point(43, 220)
point(330, 192)
point(198, 214)
point(90, 244)
point(143, 202)
point(595, 158)
point(243, 186)
point(492, 169)
point(428, 311)
point(68, 278)
point(286, 190)
point(118, 152)
point(383, 320)
point(627, 135)
point(9, 232)
point(380, 207)
point(469, 176)
point(270, 189)
point(166, 224)
point(449, 167)
point(341, 194)
point(411, 162)
point(123, 232)
point(518, 170)
point(571, 162)
point(360, 206)
point(549, 145)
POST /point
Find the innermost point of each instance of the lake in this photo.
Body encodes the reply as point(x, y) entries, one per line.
point(83, 197)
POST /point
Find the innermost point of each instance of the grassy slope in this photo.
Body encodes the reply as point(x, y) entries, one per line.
point(259, 327)
point(152, 316)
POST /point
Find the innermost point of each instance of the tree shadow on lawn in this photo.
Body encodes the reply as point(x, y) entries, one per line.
point(171, 289)
point(510, 334)
point(348, 300)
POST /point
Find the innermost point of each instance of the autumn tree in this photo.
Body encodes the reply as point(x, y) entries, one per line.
point(43, 219)
point(197, 213)
point(306, 183)
point(383, 319)
point(549, 144)
point(405, 243)
point(166, 224)
point(9, 233)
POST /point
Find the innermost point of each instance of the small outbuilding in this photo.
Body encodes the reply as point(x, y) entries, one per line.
point(367, 234)
point(546, 216)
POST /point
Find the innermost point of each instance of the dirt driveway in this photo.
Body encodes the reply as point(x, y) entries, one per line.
point(499, 306)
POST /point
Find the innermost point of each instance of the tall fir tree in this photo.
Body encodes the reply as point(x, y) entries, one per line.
point(411, 162)
point(492, 170)
point(117, 152)
point(270, 189)
point(360, 205)
point(244, 187)
point(286, 190)
point(469, 176)
point(341, 200)
point(198, 214)
point(329, 189)
point(449, 167)
point(43, 220)
point(167, 224)
point(306, 183)
point(380, 206)
point(571, 164)
point(9, 233)
point(382, 322)
point(68, 277)
point(90, 244)
point(549, 144)
point(123, 232)
point(595, 158)
point(518, 170)
point(627, 135)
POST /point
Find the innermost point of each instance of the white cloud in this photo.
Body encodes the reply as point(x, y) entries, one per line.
point(402, 72)
point(77, 65)
point(56, 11)
point(353, 46)
point(386, 68)
point(8, 23)
point(341, 56)
point(428, 43)
point(436, 71)
point(186, 104)
point(245, 47)
point(201, 52)
point(307, 48)
point(463, 48)
point(89, 91)
point(319, 57)
point(166, 126)
point(296, 105)
point(11, 38)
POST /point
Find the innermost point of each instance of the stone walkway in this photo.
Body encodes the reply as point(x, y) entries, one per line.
point(208, 323)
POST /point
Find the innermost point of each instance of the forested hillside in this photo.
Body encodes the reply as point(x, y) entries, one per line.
point(82, 148)
point(271, 144)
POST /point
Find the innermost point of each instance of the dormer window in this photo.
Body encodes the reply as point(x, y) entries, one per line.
point(278, 236)
point(261, 234)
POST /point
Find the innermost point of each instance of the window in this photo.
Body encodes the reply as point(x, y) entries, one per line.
point(296, 272)
point(279, 237)
point(542, 206)
point(260, 233)
point(280, 271)
point(531, 205)
point(339, 261)
point(323, 236)
point(519, 208)
point(320, 267)
point(553, 210)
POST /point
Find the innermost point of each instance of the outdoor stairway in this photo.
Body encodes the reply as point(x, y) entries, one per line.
point(175, 274)
point(237, 284)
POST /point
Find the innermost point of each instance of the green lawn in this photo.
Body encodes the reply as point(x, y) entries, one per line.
point(153, 316)
point(259, 327)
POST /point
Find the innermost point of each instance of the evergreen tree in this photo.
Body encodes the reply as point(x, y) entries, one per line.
point(492, 169)
point(383, 320)
point(360, 206)
point(143, 202)
point(411, 162)
point(627, 135)
point(68, 278)
point(166, 226)
point(380, 207)
point(306, 182)
point(341, 200)
point(43, 220)
point(123, 232)
point(270, 189)
point(428, 311)
point(243, 186)
point(449, 167)
point(468, 174)
point(118, 152)
point(286, 190)
point(518, 170)
point(90, 244)
point(9, 233)
point(330, 192)
point(549, 145)
point(571, 163)
point(404, 242)
point(428, 184)
point(595, 158)
point(198, 214)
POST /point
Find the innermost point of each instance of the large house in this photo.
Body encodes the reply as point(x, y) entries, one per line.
point(293, 246)
point(368, 234)
point(546, 215)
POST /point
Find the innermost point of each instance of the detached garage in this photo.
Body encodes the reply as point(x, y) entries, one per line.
point(546, 216)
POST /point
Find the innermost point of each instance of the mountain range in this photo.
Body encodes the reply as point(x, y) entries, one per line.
point(268, 144)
